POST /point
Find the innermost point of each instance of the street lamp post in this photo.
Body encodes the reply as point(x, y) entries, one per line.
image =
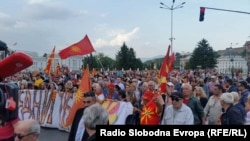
point(172, 8)
point(232, 56)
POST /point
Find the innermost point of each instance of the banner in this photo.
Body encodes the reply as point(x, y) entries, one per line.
point(53, 110)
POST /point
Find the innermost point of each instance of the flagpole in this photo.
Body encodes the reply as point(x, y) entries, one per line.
point(100, 62)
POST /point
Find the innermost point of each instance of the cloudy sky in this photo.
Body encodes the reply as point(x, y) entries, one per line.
point(39, 25)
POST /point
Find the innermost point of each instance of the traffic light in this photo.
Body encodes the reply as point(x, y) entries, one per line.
point(202, 13)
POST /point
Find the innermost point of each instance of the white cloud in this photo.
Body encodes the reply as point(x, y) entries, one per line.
point(118, 38)
point(101, 43)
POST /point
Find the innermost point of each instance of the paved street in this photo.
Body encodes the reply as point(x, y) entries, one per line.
point(50, 134)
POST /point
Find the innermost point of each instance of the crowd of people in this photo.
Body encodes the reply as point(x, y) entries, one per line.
point(191, 97)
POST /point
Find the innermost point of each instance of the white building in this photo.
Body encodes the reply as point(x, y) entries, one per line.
point(74, 63)
point(231, 60)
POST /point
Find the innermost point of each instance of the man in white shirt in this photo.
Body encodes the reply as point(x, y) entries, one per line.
point(178, 113)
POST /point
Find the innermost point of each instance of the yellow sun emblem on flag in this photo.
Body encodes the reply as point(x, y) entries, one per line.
point(79, 96)
point(76, 49)
point(146, 115)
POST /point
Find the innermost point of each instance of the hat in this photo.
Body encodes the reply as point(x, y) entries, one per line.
point(170, 84)
point(177, 94)
point(243, 83)
point(148, 95)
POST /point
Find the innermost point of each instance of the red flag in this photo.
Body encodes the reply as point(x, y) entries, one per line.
point(164, 72)
point(49, 63)
point(82, 47)
point(164, 64)
point(78, 103)
point(58, 69)
point(171, 62)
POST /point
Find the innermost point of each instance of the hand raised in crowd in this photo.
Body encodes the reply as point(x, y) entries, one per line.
point(158, 99)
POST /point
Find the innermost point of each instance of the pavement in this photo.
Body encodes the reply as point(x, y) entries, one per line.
point(53, 134)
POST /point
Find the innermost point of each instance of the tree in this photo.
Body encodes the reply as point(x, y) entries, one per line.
point(105, 61)
point(204, 56)
point(177, 61)
point(126, 59)
point(91, 61)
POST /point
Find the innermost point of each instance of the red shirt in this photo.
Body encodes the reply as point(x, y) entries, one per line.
point(186, 100)
point(7, 131)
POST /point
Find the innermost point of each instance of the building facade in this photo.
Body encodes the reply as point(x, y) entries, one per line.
point(74, 63)
point(229, 64)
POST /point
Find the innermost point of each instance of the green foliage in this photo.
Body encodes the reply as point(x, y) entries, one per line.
point(91, 61)
point(105, 62)
point(99, 61)
point(204, 56)
point(126, 59)
point(150, 63)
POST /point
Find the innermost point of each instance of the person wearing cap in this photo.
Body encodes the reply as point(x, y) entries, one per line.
point(231, 115)
point(151, 109)
point(178, 113)
point(244, 92)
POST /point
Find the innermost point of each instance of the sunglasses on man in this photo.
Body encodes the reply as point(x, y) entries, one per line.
point(19, 136)
point(175, 99)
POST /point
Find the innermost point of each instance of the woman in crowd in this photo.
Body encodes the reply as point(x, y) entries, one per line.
point(201, 95)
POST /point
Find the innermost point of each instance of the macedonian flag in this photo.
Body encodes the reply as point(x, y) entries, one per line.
point(78, 103)
point(149, 114)
point(47, 69)
point(82, 47)
point(164, 71)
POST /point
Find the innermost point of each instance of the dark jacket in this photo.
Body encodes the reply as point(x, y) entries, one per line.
point(232, 116)
point(92, 138)
point(203, 101)
point(75, 124)
point(232, 88)
point(197, 109)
